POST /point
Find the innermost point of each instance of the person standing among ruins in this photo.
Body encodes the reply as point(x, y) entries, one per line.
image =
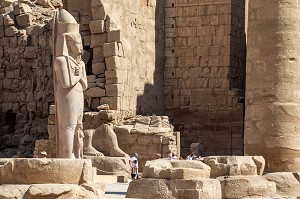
point(191, 156)
point(134, 166)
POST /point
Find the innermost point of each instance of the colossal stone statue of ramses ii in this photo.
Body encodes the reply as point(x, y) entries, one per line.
point(69, 83)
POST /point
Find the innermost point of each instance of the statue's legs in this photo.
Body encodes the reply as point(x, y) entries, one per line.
point(88, 147)
point(112, 141)
point(65, 141)
point(78, 141)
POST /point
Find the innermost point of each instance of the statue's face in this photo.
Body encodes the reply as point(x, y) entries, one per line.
point(75, 45)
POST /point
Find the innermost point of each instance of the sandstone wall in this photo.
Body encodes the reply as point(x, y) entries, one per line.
point(125, 42)
point(26, 84)
point(204, 73)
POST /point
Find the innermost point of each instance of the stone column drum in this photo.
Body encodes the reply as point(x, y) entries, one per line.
point(272, 118)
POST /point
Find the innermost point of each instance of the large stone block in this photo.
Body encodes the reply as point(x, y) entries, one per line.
point(13, 191)
point(11, 31)
point(235, 165)
point(97, 26)
point(110, 49)
point(98, 55)
point(287, 183)
point(45, 171)
point(113, 63)
point(98, 68)
point(195, 189)
point(114, 35)
point(245, 186)
point(22, 8)
point(111, 165)
point(24, 19)
point(149, 189)
point(187, 173)
point(98, 40)
point(175, 169)
point(98, 12)
point(43, 191)
point(114, 90)
point(6, 3)
point(94, 92)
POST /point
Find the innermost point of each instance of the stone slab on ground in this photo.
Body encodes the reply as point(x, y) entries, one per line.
point(106, 179)
point(116, 190)
point(46, 171)
point(175, 169)
point(246, 186)
point(287, 183)
point(118, 166)
point(44, 191)
point(235, 165)
point(149, 188)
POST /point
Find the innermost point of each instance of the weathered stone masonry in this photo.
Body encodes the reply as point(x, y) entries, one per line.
point(148, 57)
point(205, 73)
point(25, 75)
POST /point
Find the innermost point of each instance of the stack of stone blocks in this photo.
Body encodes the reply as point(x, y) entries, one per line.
point(145, 135)
point(215, 178)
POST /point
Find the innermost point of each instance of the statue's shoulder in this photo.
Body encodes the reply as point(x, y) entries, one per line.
point(59, 61)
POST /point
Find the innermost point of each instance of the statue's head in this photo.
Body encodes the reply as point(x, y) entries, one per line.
point(66, 34)
point(74, 43)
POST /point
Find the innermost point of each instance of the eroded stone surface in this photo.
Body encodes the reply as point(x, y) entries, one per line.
point(287, 184)
point(235, 165)
point(39, 171)
point(44, 191)
point(171, 189)
point(111, 165)
point(149, 189)
point(175, 169)
point(13, 191)
point(246, 186)
point(272, 108)
point(195, 189)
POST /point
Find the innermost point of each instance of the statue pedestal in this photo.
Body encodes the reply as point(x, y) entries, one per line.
point(48, 177)
point(116, 166)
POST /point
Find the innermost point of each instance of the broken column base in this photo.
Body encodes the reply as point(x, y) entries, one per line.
point(246, 186)
point(149, 188)
point(287, 183)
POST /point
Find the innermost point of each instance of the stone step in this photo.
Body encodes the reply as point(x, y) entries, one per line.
point(106, 179)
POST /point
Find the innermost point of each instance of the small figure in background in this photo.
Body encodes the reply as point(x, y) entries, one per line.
point(158, 156)
point(191, 156)
point(174, 157)
point(43, 154)
point(134, 166)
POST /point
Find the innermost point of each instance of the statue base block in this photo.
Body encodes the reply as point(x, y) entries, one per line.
point(45, 177)
point(117, 166)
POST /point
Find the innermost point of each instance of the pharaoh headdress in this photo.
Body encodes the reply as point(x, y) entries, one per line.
point(64, 23)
